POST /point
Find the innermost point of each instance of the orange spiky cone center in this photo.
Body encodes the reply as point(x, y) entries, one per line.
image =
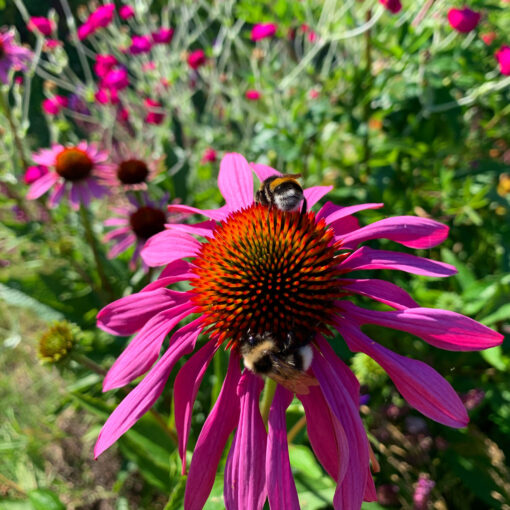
point(265, 270)
point(73, 164)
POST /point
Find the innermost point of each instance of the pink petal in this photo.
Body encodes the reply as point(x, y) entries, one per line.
point(444, 329)
point(345, 225)
point(380, 290)
point(176, 271)
point(114, 222)
point(370, 491)
point(263, 171)
point(419, 384)
point(128, 314)
point(411, 231)
point(245, 477)
point(139, 400)
point(368, 258)
point(204, 229)
point(332, 212)
point(215, 214)
point(42, 185)
point(168, 246)
point(315, 193)
point(56, 196)
point(47, 157)
point(326, 434)
point(75, 196)
point(281, 489)
point(121, 246)
point(186, 386)
point(349, 494)
point(143, 350)
point(235, 181)
point(217, 428)
point(118, 232)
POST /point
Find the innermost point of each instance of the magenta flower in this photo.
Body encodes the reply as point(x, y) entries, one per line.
point(41, 24)
point(255, 268)
point(209, 156)
point(53, 105)
point(116, 79)
point(422, 492)
point(196, 59)
point(140, 44)
point(73, 169)
point(106, 95)
point(503, 56)
point(488, 37)
point(154, 115)
point(102, 16)
point(33, 173)
point(104, 64)
point(12, 56)
point(252, 95)
point(463, 20)
point(263, 31)
point(135, 224)
point(394, 6)
point(163, 35)
point(126, 12)
point(85, 30)
point(51, 44)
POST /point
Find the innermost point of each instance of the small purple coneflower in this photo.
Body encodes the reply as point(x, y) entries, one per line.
point(260, 270)
point(12, 56)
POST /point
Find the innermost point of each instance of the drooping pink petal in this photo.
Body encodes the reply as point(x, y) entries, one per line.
point(121, 246)
point(444, 329)
point(215, 214)
point(42, 185)
point(245, 477)
point(119, 232)
point(176, 271)
point(168, 246)
point(345, 225)
point(315, 193)
point(332, 212)
point(326, 434)
point(411, 231)
point(139, 400)
point(75, 196)
point(263, 171)
point(418, 383)
point(128, 314)
point(349, 494)
point(143, 350)
point(380, 290)
point(115, 222)
point(368, 258)
point(57, 194)
point(186, 386)
point(217, 428)
point(204, 229)
point(281, 489)
point(235, 181)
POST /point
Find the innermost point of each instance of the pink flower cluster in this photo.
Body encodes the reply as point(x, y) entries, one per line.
point(100, 18)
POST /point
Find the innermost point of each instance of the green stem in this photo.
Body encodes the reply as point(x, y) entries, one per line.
point(91, 239)
point(294, 431)
point(4, 103)
point(87, 362)
point(267, 399)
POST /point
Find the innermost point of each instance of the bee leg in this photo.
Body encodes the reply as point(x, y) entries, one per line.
point(304, 207)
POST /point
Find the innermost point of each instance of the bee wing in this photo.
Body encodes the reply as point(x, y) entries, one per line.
point(290, 377)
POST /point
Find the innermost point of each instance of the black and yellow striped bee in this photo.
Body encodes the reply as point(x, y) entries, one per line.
point(281, 191)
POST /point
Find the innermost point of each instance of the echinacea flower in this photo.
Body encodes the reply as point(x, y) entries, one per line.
point(263, 31)
point(53, 105)
point(257, 270)
point(73, 169)
point(196, 59)
point(12, 56)
point(463, 20)
point(41, 24)
point(503, 57)
point(135, 223)
point(394, 6)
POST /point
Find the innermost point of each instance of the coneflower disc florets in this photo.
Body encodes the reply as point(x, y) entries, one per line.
point(132, 171)
point(267, 270)
point(147, 221)
point(73, 164)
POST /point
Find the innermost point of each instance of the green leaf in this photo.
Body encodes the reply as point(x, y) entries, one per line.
point(18, 298)
point(45, 499)
point(499, 315)
point(495, 357)
point(15, 504)
point(304, 460)
point(176, 501)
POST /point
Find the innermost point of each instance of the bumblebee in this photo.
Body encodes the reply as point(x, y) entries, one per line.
point(285, 362)
point(281, 191)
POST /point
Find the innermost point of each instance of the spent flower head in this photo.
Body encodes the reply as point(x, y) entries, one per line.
point(282, 281)
point(57, 341)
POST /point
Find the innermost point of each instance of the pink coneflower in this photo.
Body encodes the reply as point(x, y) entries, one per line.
point(135, 223)
point(41, 24)
point(463, 20)
point(126, 12)
point(209, 156)
point(140, 44)
point(33, 173)
point(53, 105)
point(263, 31)
point(104, 64)
point(154, 114)
point(196, 59)
point(163, 35)
point(503, 57)
point(394, 6)
point(260, 270)
point(12, 56)
point(73, 169)
point(252, 95)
